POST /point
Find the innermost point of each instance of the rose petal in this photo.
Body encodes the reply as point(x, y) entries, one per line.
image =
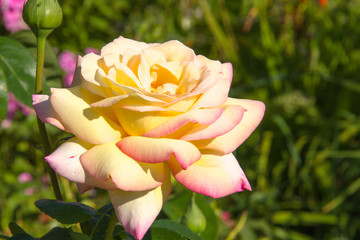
point(45, 112)
point(228, 142)
point(152, 57)
point(121, 44)
point(168, 72)
point(65, 161)
point(108, 61)
point(90, 64)
point(175, 51)
point(132, 99)
point(191, 75)
point(182, 104)
point(198, 116)
point(143, 71)
point(137, 210)
point(231, 117)
point(79, 118)
point(125, 76)
point(136, 123)
point(219, 92)
point(82, 188)
point(154, 109)
point(107, 161)
point(213, 175)
point(155, 150)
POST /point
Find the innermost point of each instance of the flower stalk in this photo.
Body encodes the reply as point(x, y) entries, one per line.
point(111, 227)
point(43, 133)
point(43, 17)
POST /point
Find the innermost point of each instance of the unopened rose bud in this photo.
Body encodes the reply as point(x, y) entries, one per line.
point(194, 218)
point(42, 16)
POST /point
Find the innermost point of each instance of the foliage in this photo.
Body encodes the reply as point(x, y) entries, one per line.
point(299, 57)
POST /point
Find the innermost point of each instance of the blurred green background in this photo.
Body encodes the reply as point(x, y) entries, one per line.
point(301, 58)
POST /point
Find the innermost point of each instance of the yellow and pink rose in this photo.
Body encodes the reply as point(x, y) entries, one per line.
point(142, 112)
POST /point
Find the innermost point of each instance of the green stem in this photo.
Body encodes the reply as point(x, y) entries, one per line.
point(111, 227)
point(238, 227)
point(38, 90)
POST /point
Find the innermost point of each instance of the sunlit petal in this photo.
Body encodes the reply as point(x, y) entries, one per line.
point(107, 161)
point(228, 142)
point(231, 117)
point(137, 210)
point(198, 116)
point(213, 175)
point(79, 118)
point(65, 161)
point(45, 112)
point(156, 150)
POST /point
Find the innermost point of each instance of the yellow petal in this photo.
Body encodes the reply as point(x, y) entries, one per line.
point(175, 51)
point(125, 76)
point(121, 44)
point(136, 123)
point(89, 68)
point(79, 118)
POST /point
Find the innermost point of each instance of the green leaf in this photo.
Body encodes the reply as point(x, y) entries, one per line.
point(162, 234)
point(120, 232)
point(160, 227)
point(176, 206)
point(22, 236)
point(15, 229)
point(78, 236)
point(87, 226)
point(101, 223)
point(4, 237)
point(57, 233)
point(106, 209)
point(96, 226)
point(3, 95)
point(66, 213)
point(18, 67)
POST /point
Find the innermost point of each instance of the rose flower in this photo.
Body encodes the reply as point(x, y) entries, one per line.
point(142, 112)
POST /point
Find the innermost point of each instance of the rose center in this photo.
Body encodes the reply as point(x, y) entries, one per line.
point(163, 81)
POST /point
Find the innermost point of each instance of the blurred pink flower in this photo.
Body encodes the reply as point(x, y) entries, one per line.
point(11, 11)
point(67, 62)
point(29, 191)
point(13, 106)
point(92, 50)
point(24, 177)
point(226, 217)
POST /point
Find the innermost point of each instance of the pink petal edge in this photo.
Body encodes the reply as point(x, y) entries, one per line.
point(45, 112)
